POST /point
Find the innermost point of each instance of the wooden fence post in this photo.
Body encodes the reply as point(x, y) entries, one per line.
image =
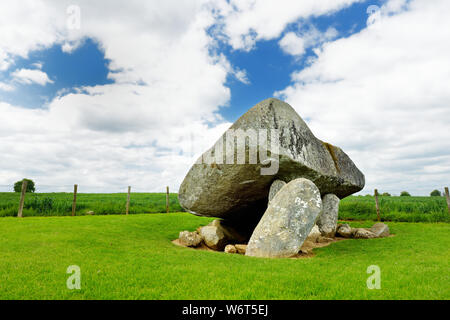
point(377, 205)
point(447, 196)
point(128, 200)
point(22, 198)
point(167, 199)
point(74, 203)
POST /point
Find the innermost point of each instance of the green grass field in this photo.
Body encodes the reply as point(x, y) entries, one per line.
point(132, 257)
point(401, 209)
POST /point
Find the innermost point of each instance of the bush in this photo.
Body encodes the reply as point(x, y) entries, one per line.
point(30, 186)
point(435, 193)
point(405, 194)
point(386, 194)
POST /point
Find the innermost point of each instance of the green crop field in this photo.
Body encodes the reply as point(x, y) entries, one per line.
point(405, 209)
point(132, 257)
point(60, 204)
point(401, 209)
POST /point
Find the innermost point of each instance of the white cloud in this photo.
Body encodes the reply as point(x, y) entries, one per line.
point(292, 44)
point(308, 36)
point(6, 87)
point(245, 22)
point(142, 129)
point(30, 76)
point(387, 102)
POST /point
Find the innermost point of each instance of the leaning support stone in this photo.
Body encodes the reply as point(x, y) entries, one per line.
point(287, 221)
point(327, 221)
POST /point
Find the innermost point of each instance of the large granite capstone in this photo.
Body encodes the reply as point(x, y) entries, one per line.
point(238, 193)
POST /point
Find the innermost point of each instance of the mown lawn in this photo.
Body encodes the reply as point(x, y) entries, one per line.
point(132, 257)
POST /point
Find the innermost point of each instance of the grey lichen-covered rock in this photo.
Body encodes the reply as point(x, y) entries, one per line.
point(344, 230)
point(287, 221)
point(190, 239)
point(380, 230)
point(361, 233)
point(239, 192)
point(327, 221)
point(275, 187)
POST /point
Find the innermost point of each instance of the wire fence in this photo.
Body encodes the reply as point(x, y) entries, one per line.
point(66, 200)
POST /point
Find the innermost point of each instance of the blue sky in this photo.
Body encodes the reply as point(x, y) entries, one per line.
point(85, 66)
point(268, 68)
point(124, 97)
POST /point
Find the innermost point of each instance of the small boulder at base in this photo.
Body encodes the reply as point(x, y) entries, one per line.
point(361, 233)
point(287, 221)
point(231, 234)
point(241, 248)
point(275, 187)
point(213, 237)
point(230, 248)
point(380, 230)
point(190, 239)
point(344, 230)
point(328, 218)
point(314, 234)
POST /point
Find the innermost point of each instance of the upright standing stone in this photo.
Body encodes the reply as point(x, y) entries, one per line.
point(287, 221)
point(328, 218)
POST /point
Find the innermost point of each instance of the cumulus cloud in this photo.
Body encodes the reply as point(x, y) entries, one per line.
point(145, 129)
point(30, 76)
point(296, 43)
point(292, 44)
point(6, 87)
point(387, 101)
point(242, 23)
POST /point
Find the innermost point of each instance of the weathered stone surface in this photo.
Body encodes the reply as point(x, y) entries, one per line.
point(275, 187)
point(380, 230)
point(241, 248)
point(344, 230)
point(327, 221)
point(287, 221)
point(314, 234)
point(239, 192)
point(190, 239)
point(361, 233)
point(213, 237)
point(230, 248)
